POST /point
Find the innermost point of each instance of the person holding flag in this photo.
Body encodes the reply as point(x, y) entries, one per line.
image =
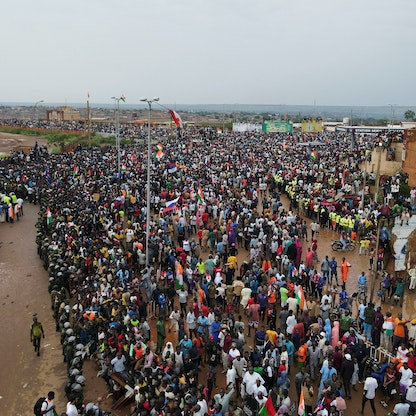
point(268, 409)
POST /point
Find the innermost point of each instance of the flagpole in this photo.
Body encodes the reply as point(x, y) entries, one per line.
point(149, 103)
point(117, 111)
point(89, 120)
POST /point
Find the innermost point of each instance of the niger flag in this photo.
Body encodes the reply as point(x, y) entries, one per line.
point(268, 408)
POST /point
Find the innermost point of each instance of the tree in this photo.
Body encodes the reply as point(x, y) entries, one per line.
point(409, 115)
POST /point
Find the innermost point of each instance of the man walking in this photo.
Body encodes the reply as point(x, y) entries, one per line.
point(370, 387)
point(36, 333)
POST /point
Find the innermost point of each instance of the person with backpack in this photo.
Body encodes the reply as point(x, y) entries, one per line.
point(45, 405)
point(36, 333)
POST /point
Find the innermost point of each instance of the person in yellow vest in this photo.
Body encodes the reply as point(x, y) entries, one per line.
point(36, 333)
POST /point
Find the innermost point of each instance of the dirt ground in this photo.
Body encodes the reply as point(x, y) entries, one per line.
point(23, 280)
point(8, 141)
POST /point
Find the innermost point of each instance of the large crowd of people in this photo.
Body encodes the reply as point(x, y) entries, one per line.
point(223, 272)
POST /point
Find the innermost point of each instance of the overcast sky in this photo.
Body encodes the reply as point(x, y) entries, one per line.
point(331, 52)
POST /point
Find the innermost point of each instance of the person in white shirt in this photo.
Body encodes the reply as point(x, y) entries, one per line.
point(261, 399)
point(249, 381)
point(290, 323)
point(48, 405)
point(402, 352)
point(203, 405)
point(370, 387)
point(292, 304)
point(231, 376)
point(406, 378)
point(402, 408)
point(259, 388)
point(71, 409)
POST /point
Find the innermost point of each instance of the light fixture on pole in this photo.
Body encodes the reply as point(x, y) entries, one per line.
point(36, 105)
point(117, 114)
point(149, 103)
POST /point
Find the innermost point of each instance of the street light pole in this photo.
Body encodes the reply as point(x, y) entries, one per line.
point(149, 103)
point(379, 218)
point(36, 105)
point(117, 111)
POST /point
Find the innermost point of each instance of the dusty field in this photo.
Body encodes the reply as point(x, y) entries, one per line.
point(8, 141)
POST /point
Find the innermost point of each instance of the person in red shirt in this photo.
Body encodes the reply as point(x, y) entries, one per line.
point(200, 231)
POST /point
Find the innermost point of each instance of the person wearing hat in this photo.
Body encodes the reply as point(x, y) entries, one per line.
point(36, 333)
point(347, 370)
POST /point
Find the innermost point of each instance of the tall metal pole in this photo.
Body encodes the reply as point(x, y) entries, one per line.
point(36, 106)
point(374, 271)
point(380, 149)
point(149, 103)
point(117, 111)
point(89, 121)
point(148, 186)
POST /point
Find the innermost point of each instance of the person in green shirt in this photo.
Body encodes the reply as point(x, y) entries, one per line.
point(161, 334)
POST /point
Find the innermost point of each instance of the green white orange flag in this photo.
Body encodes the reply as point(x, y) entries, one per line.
point(301, 407)
point(300, 297)
point(200, 195)
point(268, 408)
point(159, 153)
point(49, 218)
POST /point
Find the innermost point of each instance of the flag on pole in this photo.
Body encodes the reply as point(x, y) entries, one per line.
point(170, 205)
point(300, 297)
point(123, 98)
point(88, 95)
point(49, 218)
point(301, 407)
point(313, 155)
point(200, 195)
point(268, 409)
point(172, 167)
point(159, 153)
point(176, 119)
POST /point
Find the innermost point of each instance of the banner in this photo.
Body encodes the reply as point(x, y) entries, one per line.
point(312, 126)
point(271, 126)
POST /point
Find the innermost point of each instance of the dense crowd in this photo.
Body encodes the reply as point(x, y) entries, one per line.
point(263, 324)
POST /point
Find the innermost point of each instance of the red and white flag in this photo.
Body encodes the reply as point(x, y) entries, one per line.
point(176, 119)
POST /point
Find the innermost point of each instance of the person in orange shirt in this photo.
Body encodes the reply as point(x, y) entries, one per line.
point(302, 352)
point(399, 334)
point(201, 295)
point(345, 268)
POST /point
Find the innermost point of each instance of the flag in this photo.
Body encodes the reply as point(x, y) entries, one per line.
point(88, 95)
point(123, 98)
point(267, 409)
point(76, 169)
point(300, 296)
point(49, 218)
point(301, 407)
point(200, 195)
point(343, 177)
point(172, 167)
point(159, 153)
point(176, 119)
point(313, 155)
point(170, 205)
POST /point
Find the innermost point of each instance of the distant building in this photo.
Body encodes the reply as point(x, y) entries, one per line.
point(63, 114)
